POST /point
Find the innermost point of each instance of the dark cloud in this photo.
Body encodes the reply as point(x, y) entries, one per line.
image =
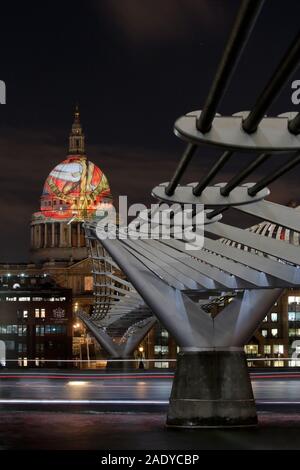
point(168, 20)
point(26, 157)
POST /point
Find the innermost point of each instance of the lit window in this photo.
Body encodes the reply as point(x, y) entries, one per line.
point(88, 283)
point(22, 330)
point(24, 299)
point(11, 329)
point(37, 313)
point(251, 349)
point(164, 334)
point(159, 349)
point(22, 348)
point(278, 363)
point(292, 316)
point(53, 330)
point(43, 313)
point(278, 348)
point(294, 332)
point(267, 349)
point(296, 315)
point(294, 299)
point(161, 365)
point(274, 332)
point(264, 333)
point(39, 330)
point(265, 319)
point(274, 317)
point(25, 313)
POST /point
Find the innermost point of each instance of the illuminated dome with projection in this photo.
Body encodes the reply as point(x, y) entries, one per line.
point(72, 193)
point(74, 188)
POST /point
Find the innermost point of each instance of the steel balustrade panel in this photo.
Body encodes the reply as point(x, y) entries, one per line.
point(277, 248)
point(252, 277)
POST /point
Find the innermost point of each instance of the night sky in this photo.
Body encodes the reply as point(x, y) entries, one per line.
point(133, 66)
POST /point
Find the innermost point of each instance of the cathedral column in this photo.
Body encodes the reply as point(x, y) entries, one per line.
point(61, 237)
point(39, 236)
point(69, 235)
point(78, 234)
point(52, 234)
point(35, 240)
point(32, 236)
point(45, 235)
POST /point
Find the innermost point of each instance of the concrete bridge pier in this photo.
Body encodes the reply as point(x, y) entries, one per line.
point(211, 388)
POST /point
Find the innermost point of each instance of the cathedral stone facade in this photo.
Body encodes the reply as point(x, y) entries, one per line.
point(72, 192)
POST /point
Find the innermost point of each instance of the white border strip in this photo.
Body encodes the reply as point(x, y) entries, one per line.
point(20, 401)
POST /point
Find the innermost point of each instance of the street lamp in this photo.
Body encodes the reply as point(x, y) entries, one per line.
point(141, 363)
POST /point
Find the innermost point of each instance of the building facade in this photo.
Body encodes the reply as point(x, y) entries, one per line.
point(279, 333)
point(36, 322)
point(273, 345)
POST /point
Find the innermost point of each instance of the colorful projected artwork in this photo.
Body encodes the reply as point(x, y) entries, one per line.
point(74, 188)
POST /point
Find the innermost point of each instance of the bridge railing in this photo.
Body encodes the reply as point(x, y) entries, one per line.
point(152, 364)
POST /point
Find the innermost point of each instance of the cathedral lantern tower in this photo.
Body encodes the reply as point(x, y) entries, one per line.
point(72, 193)
point(76, 139)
